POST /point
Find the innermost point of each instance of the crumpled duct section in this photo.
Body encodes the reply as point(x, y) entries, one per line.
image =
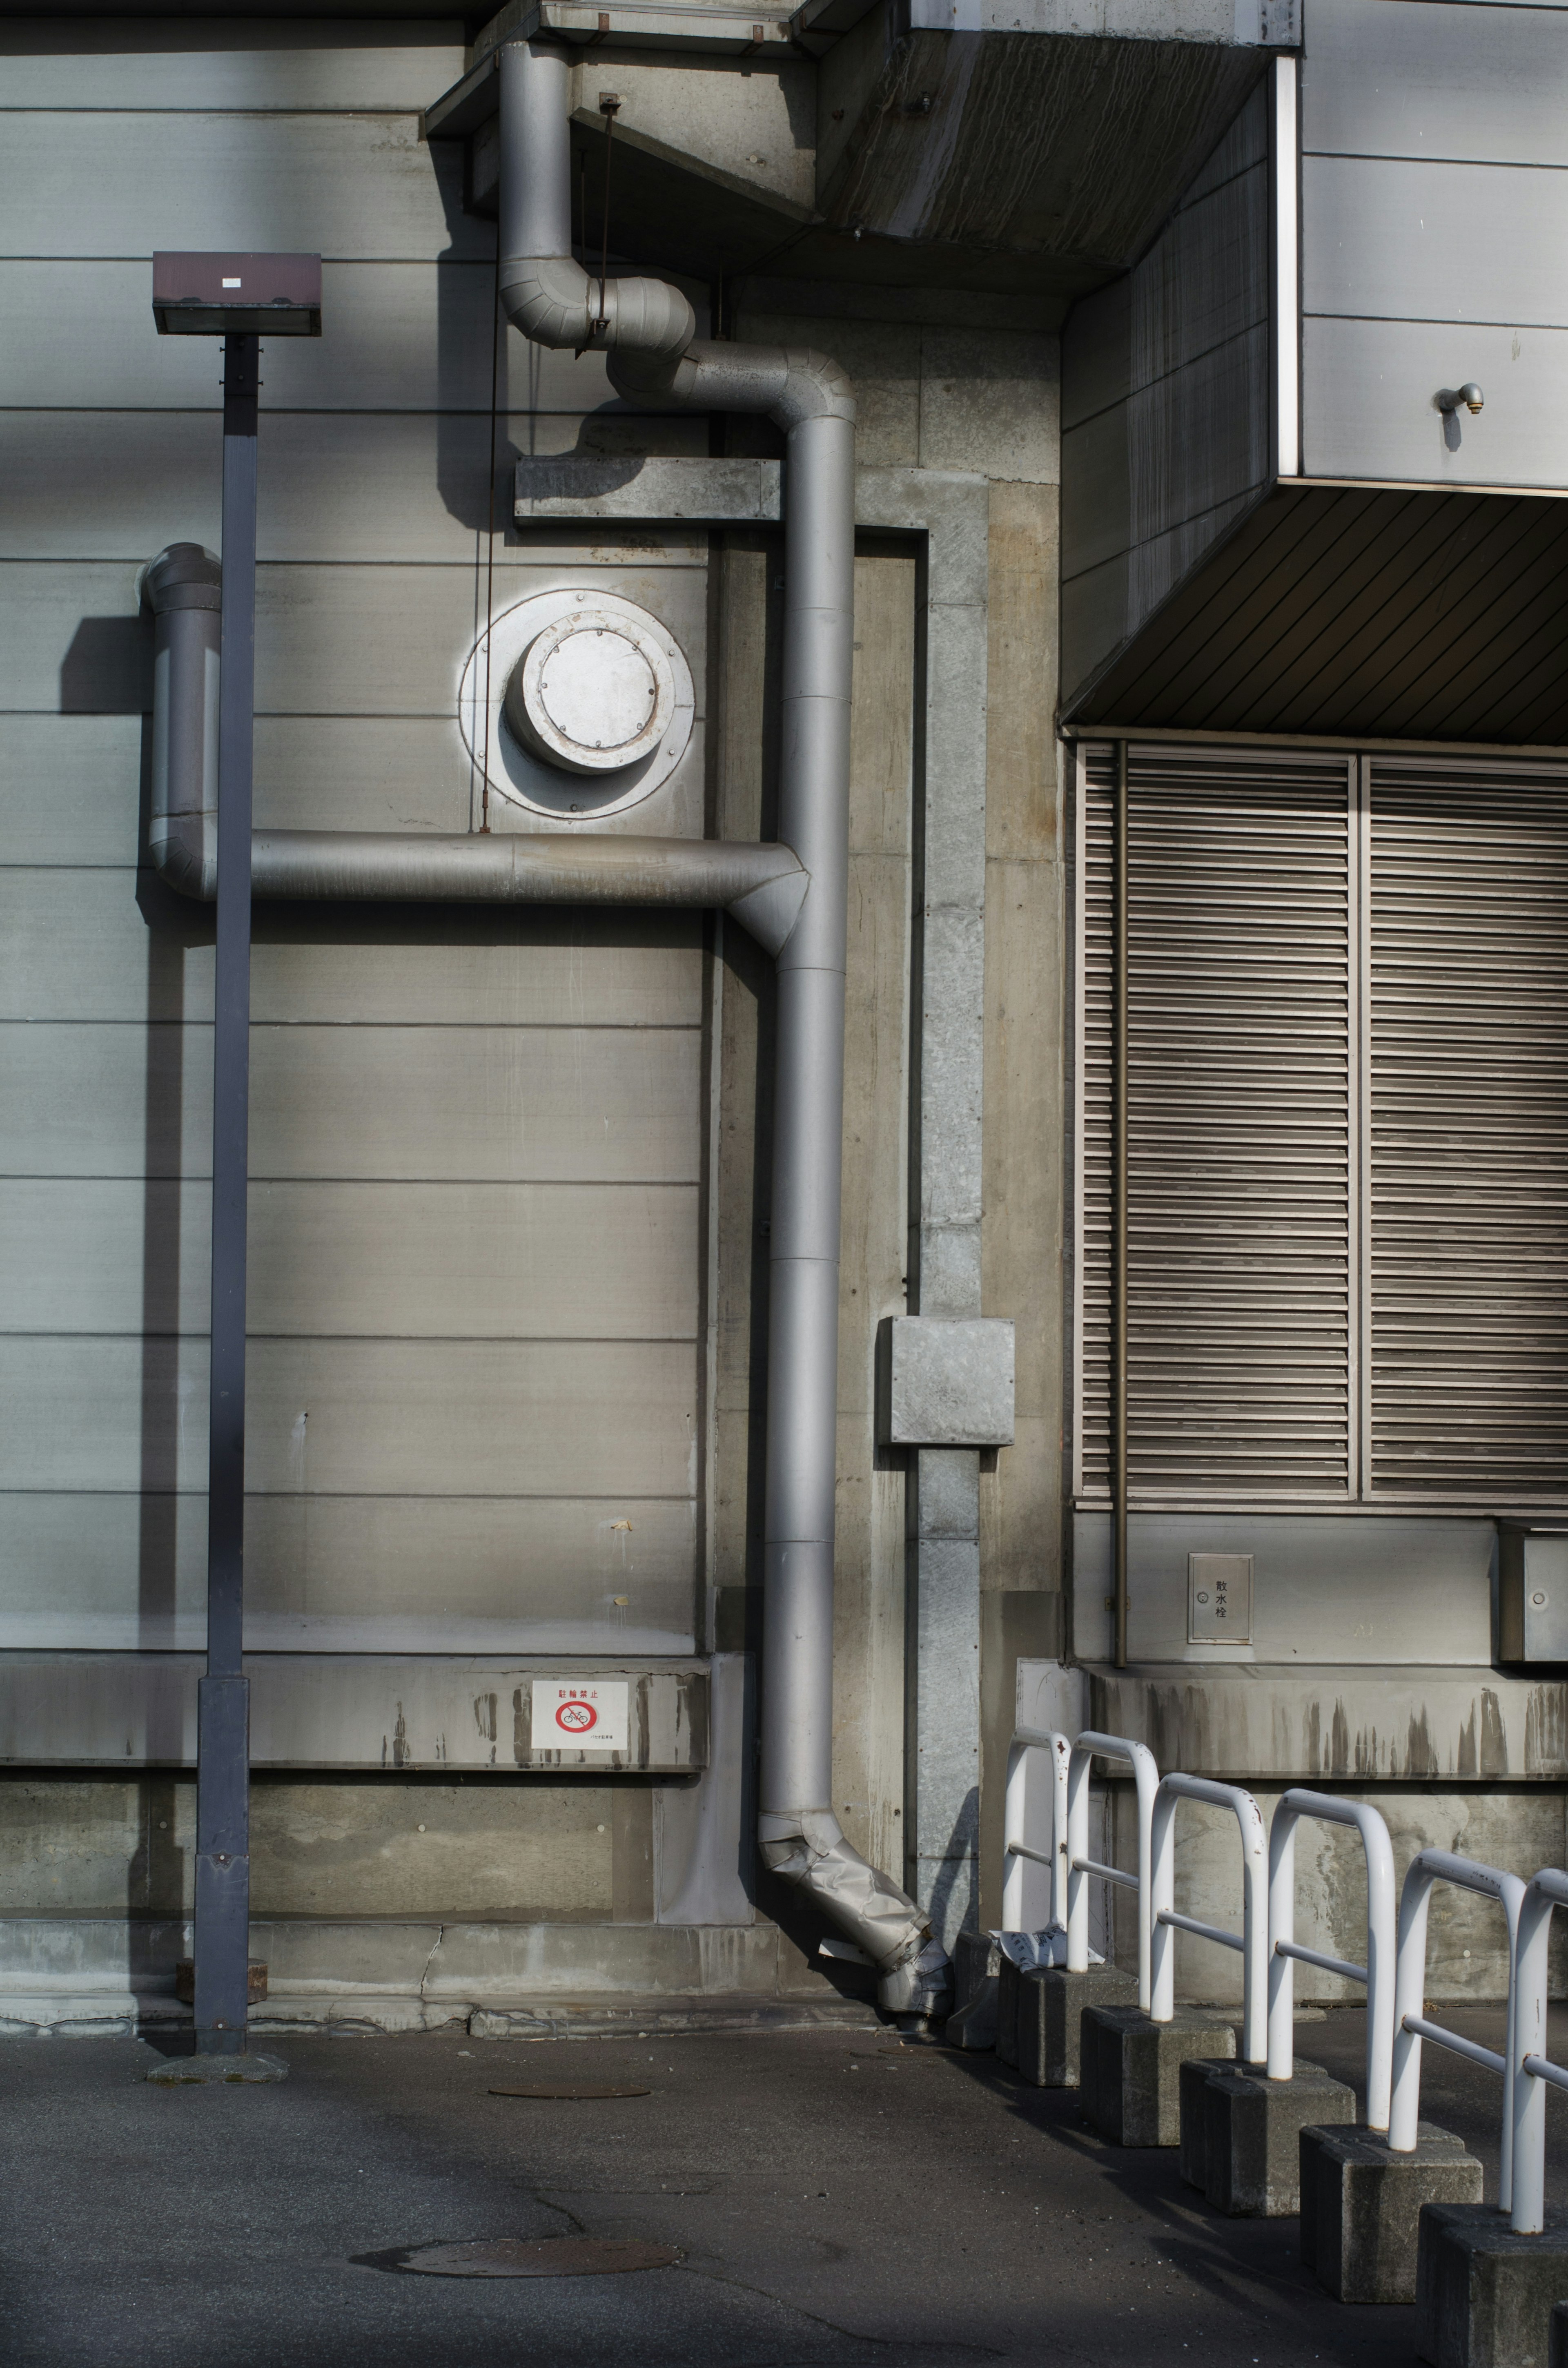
point(807, 1847)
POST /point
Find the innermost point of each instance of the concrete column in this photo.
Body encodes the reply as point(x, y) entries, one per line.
point(944, 1723)
point(951, 1057)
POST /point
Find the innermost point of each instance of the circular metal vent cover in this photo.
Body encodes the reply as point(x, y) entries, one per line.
point(576, 704)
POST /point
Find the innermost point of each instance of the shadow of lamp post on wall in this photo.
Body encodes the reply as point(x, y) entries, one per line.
point(242, 298)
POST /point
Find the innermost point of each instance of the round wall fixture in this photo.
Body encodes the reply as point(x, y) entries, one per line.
point(593, 692)
point(576, 704)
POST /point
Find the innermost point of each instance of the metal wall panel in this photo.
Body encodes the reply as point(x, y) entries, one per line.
point(359, 1417)
point(412, 336)
point(155, 65)
point(1164, 417)
point(436, 1261)
point(478, 1136)
point(127, 1571)
point(373, 643)
point(361, 186)
point(77, 945)
point(408, 485)
point(1368, 405)
point(1428, 78)
point(1402, 241)
point(492, 1104)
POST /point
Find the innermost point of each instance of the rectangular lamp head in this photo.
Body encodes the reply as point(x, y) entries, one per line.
point(237, 295)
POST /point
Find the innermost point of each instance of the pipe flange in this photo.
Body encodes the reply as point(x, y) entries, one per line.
point(576, 704)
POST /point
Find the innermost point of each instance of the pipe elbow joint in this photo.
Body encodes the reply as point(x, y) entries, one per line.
point(806, 1849)
point(185, 856)
point(548, 298)
point(786, 384)
point(183, 575)
point(815, 387)
point(555, 303)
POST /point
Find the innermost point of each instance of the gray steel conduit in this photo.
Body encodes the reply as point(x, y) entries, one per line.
point(647, 330)
point(793, 897)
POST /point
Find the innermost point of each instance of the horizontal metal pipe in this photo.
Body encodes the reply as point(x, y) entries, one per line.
point(762, 886)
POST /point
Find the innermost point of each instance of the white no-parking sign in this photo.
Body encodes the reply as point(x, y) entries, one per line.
point(581, 1714)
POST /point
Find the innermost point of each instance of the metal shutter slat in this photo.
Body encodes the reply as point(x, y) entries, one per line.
point(1469, 1131)
point(1239, 1113)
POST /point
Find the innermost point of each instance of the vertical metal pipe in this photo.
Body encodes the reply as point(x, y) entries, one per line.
point(808, 1124)
point(1119, 1206)
point(223, 1810)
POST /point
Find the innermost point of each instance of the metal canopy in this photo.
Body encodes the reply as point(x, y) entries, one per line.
point(1385, 611)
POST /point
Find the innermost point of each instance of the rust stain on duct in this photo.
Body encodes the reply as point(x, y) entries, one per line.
point(1338, 1743)
point(484, 1706)
point(1467, 1762)
point(400, 1740)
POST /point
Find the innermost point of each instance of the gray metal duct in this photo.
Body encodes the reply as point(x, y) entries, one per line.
point(792, 897)
point(647, 330)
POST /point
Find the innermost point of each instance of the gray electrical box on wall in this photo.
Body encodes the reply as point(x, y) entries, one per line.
point(1532, 1592)
point(1218, 1599)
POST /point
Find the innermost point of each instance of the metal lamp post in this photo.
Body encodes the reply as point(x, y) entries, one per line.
point(239, 298)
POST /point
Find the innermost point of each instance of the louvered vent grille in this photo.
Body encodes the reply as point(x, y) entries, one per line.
point(1239, 1204)
point(1469, 1133)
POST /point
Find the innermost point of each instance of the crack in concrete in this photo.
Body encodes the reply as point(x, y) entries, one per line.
point(424, 1970)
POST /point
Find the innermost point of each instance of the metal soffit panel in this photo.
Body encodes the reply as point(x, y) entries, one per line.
point(1393, 612)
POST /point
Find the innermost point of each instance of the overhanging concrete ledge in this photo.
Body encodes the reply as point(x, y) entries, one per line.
point(1256, 1722)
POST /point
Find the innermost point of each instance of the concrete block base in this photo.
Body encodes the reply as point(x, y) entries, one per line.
point(1241, 2133)
point(1131, 2068)
point(1360, 2206)
point(977, 1966)
point(1483, 2296)
point(1050, 2016)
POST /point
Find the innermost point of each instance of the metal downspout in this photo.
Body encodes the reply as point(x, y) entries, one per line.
point(647, 330)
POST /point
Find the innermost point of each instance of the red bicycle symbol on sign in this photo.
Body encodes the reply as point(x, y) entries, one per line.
point(576, 1717)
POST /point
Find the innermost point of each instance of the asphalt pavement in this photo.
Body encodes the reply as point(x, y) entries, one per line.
point(835, 2202)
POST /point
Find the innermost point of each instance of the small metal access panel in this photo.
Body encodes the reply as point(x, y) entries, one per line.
point(1532, 1593)
point(1218, 1599)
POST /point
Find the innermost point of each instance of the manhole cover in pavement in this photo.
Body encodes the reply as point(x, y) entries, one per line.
point(582, 2090)
point(541, 2257)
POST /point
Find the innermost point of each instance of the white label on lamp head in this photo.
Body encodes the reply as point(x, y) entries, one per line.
point(581, 1714)
point(231, 283)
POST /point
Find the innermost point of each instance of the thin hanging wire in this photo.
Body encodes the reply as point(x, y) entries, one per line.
point(608, 114)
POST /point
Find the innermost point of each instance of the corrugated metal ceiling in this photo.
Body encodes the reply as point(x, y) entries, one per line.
point(1391, 612)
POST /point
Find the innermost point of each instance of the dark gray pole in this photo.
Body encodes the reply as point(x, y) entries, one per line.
point(223, 1779)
